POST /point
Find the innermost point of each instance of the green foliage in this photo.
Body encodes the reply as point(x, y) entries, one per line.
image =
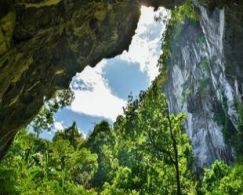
point(50, 167)
point(223, 179)
point(70, 134)
point(211, 176)
point(101, 142)
point(44, 119)
point(7, 181)
point(166, 140)
point(186, 10)
point(147, 151)
point(142, 155)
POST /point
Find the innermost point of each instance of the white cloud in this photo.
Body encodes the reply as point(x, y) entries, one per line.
point(58, 125)
point(145, 48)
point(100, 101)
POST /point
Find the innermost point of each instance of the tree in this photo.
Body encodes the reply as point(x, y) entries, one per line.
point(101, 141)
point(45, 118)
point(52, 167)
point(223, 179)
point(7, 181)
point(71, 134)
point(166, 137)
point(149, 141)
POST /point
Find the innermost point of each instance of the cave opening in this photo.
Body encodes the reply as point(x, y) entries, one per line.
point(101, 93)
point(104, 103)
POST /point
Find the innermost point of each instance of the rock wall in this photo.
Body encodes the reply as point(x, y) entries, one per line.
point(205, 79)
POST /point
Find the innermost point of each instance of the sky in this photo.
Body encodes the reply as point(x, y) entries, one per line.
point(101, 92)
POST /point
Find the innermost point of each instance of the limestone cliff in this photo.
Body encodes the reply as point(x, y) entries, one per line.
point(205, 79)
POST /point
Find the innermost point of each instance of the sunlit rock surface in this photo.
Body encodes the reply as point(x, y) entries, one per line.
point(205, 79)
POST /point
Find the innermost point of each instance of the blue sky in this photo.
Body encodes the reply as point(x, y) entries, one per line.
point(125, 77)
point(101, 92)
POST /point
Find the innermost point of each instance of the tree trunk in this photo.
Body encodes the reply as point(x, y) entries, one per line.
point(176, 162)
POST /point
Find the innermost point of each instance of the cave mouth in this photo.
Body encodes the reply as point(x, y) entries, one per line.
point(100, 93)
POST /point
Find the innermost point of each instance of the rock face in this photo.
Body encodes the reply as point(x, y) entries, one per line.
point(205, 79)
point(43, 43)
